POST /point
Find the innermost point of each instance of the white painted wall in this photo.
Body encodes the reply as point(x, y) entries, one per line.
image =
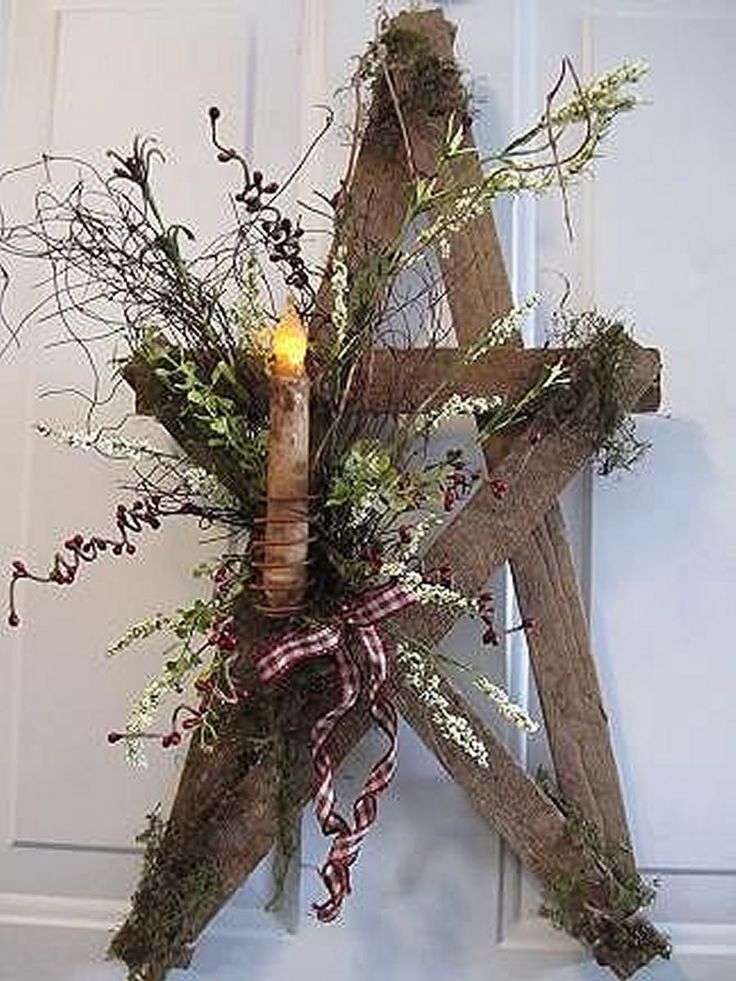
point(436, 895)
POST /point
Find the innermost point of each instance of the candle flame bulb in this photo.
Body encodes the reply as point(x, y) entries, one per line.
point(289, 347)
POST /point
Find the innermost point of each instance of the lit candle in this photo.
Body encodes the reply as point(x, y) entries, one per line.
point(287, 482)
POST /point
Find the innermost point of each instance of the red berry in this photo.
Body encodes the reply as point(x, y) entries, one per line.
point(115, 737)
point(14, 619)
point(499, 487)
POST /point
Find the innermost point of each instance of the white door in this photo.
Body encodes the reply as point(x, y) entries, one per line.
point(436, 895)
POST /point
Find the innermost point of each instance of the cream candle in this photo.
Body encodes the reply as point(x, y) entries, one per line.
point(287, 482)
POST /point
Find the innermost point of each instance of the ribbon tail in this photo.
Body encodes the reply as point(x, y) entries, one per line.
point(329, 819)
point(346, 847)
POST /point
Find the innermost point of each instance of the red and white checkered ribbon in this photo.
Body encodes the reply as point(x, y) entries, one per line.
point(362, 618)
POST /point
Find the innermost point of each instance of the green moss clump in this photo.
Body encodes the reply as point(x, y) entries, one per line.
point(427, 86)
point(175, 886)
point(600, 904)
point(600, 346)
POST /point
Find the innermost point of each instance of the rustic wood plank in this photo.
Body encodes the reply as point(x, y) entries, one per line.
point(372, 200)
point(562, 660)
point(547, 591)
point(410, 376)
point(391, 377)
point(534, 828)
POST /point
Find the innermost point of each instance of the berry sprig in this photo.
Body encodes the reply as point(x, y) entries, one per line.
point(487, 614)
point(281, 235)
point(458, 484)
point(216, 688)
point(215, 684)
point(78, 550)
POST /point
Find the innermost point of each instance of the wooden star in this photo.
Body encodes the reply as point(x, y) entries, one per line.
point(235, 800)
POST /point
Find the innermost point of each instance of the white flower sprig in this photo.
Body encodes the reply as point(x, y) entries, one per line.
point(429, 421)
point(340, 291)
point(108, 444)
point(421, 676)
point(113, 446)
point(501, 330)
point(526, 164)
point(143, 713)
point(604, 95)
point(425, 591)
point(512, 712)
point(200, 630)
point(140, 631)
point(248, 313)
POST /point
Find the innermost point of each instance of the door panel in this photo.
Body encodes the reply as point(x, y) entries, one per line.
point(436, 895)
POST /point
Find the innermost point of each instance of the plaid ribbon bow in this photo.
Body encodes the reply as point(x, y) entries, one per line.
point(362, 616)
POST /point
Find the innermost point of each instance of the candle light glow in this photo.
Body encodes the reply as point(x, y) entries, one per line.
point(289, 346)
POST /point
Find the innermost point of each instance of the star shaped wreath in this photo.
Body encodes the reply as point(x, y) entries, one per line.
point(354, 546)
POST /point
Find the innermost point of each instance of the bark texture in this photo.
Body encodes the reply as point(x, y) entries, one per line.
point(411, 376)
